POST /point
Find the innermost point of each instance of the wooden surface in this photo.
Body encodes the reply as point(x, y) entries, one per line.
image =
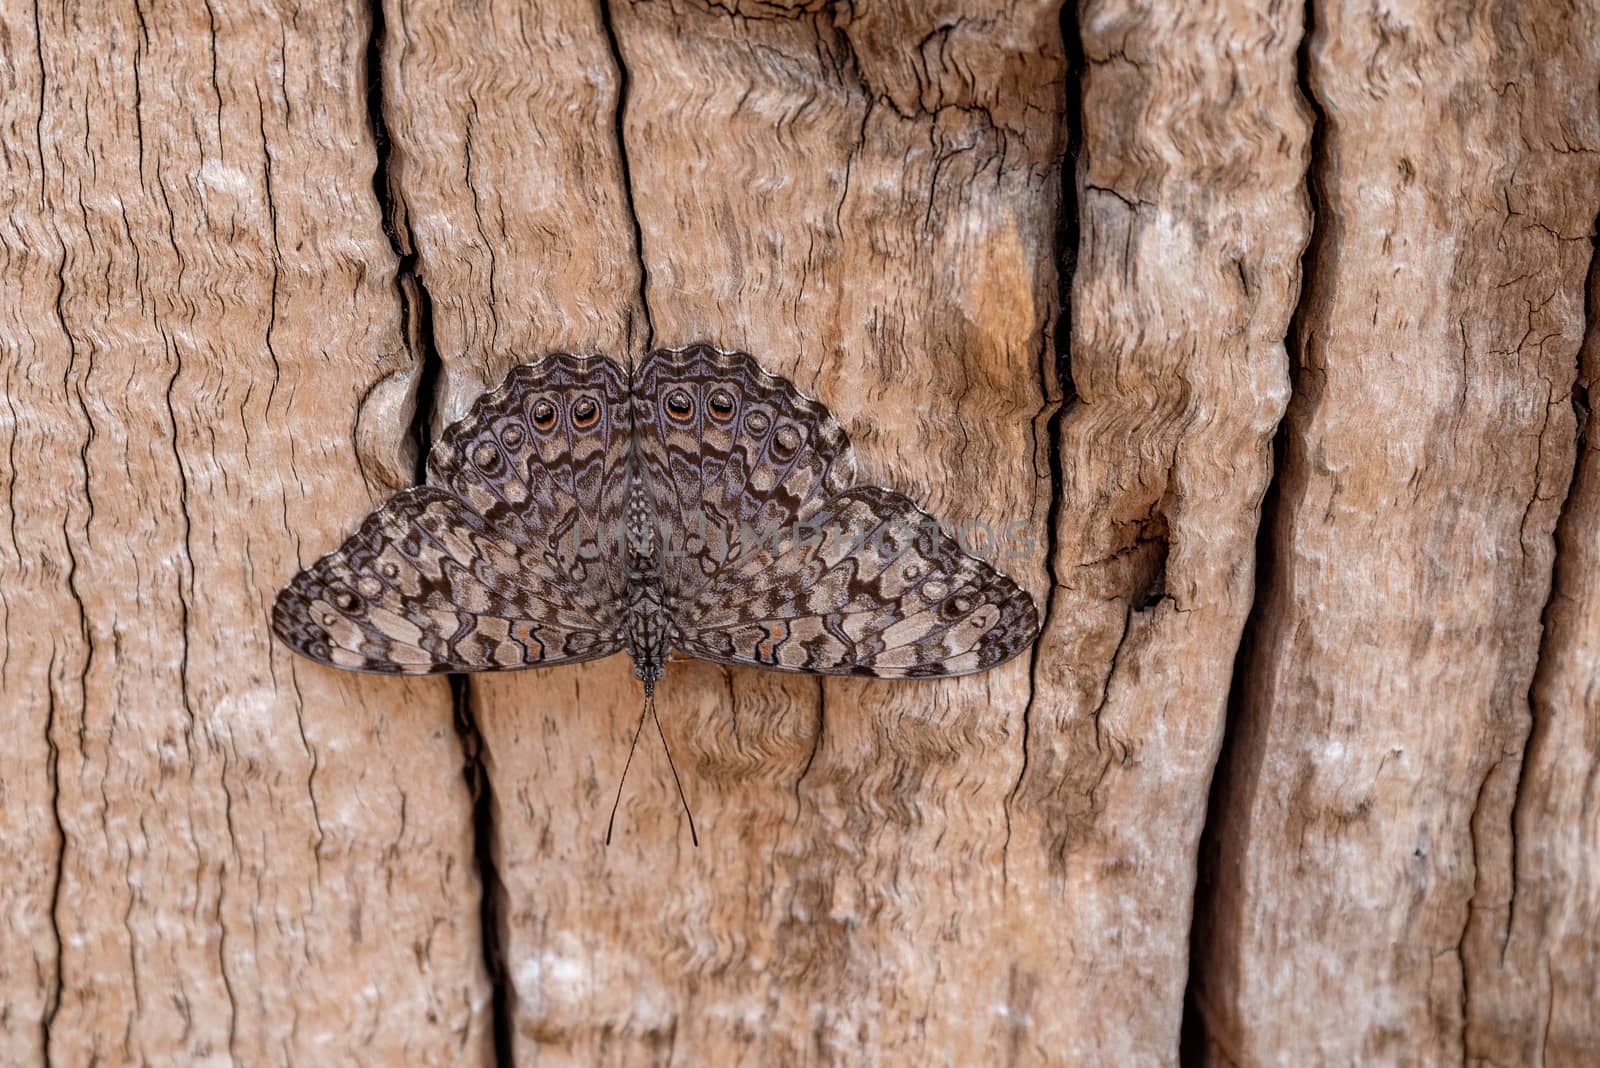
point(1318, 303)
point(1375, 845)
point(212, 851)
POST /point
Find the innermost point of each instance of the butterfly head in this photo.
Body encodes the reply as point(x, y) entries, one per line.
point(648, 670)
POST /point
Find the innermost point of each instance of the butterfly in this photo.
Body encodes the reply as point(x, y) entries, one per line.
point(700, 506)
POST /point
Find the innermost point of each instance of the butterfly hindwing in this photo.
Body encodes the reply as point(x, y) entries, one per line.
point(427, 586)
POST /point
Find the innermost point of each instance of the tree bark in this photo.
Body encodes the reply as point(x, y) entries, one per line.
point(1119, 274)
point(1191, 234)
point(877, 229)
point(213, 850)
point(1371, 856)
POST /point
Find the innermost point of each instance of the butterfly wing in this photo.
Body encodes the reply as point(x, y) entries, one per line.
point(873, 587)
point(773, 562)
point(728, 449)
point(505, 559)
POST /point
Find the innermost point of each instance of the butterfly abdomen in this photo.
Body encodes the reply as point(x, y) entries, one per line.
point(648, 627)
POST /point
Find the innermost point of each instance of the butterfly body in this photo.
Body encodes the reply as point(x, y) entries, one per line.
point(700, 505)
point(649, 623)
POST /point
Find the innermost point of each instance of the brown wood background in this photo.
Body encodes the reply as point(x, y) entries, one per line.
point(1269, 321)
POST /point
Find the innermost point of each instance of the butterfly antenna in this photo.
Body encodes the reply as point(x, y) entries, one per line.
point(649, 706)
point(650, 703)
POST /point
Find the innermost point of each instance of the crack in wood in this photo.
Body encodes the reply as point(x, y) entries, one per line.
point(416, 311)
point(52, 1004)
point(624, 84)
point(1545, 657)
point(1198, 1040)
point(1065, 391)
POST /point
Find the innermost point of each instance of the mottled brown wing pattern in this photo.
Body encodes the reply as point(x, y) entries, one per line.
point(543, 459)
point(729, 448)
point(863, 583)
point(425, 586)
point(491, 565)
point(876, 588)
point(513, 554)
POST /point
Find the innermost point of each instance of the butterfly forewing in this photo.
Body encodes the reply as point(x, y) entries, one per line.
point(729, 450)
point(544, 460)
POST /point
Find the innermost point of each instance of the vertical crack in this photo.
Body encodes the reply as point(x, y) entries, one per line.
point(54, 996)
point(416, 309)
point(184, 592)
point(491, 913)
point(1195, 1039)
point(816, 740)
point(416, 304)
point(1566, 529)
point(52, 1004)
point(38, 115)
point(1059, 372)
point(624, 84)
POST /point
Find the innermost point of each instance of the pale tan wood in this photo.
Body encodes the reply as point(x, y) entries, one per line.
point(212, 850)
point(1536, 981)
point(879, 231)
point(1537, 1005)
point(508, 174)
point(1366, 867)
point(508, 164)
point(1193, 212)
point(865, 199)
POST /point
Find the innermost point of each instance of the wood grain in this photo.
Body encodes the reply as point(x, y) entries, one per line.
point(797, 186)
point(509, 167)
point(211, 851)
point(508, 178)
point(241, 245)
point(1193, 217)
point(865, 199)
point(1535, 1001)
point(1367, 855)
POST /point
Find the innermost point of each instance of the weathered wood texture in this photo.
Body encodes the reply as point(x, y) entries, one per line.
point(1538, 1000)
point(211, 354)
point(1187, 271)
point(1375, 861)
point(209, 848)
point(874, 221)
